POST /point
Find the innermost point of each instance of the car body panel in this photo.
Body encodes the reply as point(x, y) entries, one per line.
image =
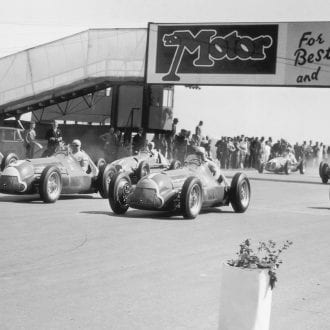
point(130, 164)
point(161, 191)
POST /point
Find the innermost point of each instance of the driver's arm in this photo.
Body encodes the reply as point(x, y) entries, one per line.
point(84, 162)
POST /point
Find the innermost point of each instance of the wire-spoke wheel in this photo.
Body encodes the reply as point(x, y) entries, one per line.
point(119, 189)
point(191, 198)
point(50, 185)
point(240, 192)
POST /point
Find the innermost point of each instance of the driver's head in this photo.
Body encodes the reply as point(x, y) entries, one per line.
point(55, 125)
point(151, 145)
point(200, 151)
point(76, 145)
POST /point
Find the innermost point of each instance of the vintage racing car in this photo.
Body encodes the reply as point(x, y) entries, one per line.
point(50, 177)
point(324, 171)
point(282, 165)
point(136, 167)
point(185, 190)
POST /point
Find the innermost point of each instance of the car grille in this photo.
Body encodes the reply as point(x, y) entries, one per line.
point(9, 183)
point(271, 166)
point(143, 196)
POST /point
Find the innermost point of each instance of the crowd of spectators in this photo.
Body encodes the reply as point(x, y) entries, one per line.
point(230, 152)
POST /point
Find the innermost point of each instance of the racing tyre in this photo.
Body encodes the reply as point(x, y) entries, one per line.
point(50, 185)
point(302, 167)
point(191, 198)
point(143, 170)
point(106, 174)
point(7, 159)
point(261, 168)
point(175, 164)
point(323, 170)
point(287, 168)
point(119, 189)
point(240, 193)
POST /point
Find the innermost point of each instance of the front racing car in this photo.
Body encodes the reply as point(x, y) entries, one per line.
point(184, 191)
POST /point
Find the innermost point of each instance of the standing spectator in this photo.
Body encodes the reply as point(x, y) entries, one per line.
point(267, 151)
point(170, 136)
point(254, 148)
point(180, 145)
point(198, 129)
point(316, 153)
point(54, 137)
point(138, 142)
point(229, 153)
point(243, 148)
point(110, 145)
point(30, 142)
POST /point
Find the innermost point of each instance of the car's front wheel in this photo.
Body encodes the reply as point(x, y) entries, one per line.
point(143, 170)
point(261, 167)
point(191, 198)
point(323, 170)
point(175, 164)
point(50, 185)
point(106, 174)
point(287, 168)
point(240, 192)
point(302, 167)
point(119, 189)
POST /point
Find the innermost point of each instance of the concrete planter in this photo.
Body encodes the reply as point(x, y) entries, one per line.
point(245, 299)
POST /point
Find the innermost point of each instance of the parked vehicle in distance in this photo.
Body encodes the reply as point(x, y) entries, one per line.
point(136, 167)
point(12, 142)
point(50, 177)
point(186, 190)
point(282, 165)
point(324, 171)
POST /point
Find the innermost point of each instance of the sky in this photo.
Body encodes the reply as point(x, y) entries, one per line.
point(292, 113)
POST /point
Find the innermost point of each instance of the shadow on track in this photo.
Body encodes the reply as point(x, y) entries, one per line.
point(155, 215)
point(35, 198)
point(282, 180)
point(319, 208)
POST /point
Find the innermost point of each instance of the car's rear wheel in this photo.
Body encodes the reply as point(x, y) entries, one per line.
point(323, 170)
point(143, 170)
point(7, 159)
point(240, 192)
point(119, 189)
point(302, 167)
point(50, 185)
point(106, 174)
point(191, 198)
point(287, 168)
point(261, 167)
point(175, 164)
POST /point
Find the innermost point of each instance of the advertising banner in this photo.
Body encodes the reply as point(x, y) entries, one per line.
point(283, 54)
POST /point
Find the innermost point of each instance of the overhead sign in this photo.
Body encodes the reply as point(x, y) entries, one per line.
point(239, 54)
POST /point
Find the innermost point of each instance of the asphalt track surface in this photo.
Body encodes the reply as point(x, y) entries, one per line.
point(75, 265)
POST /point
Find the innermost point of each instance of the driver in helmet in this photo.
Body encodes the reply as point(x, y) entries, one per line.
point(289, 155)
point(214, 168)
point(79, 154)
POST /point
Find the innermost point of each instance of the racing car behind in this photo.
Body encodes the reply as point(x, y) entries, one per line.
point(50, 177)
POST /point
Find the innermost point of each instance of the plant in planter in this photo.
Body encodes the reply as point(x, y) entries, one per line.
point(246, 286)
point(267, 257)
